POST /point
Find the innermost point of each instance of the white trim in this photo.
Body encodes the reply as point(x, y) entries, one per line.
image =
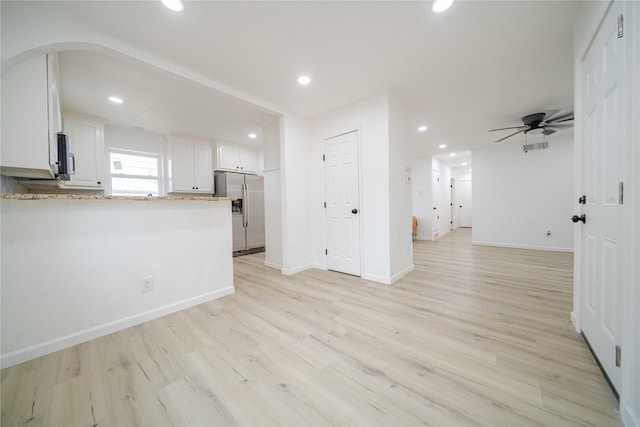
point(292, 271)
point(271, 264)
point(37, 350)
point(375, 278)
point(518, 246)
point(399, 275)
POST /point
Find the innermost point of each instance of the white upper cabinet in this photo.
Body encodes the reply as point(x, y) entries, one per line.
point(236, 158)
point(191, 168)
point(86, 143)
point(30, 118)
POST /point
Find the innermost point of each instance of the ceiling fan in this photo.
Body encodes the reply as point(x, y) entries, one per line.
point(549, 122)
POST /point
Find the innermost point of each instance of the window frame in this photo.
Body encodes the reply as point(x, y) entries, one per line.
point(157, 156)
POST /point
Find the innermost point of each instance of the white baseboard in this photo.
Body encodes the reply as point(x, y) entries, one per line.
point(272, 265)
point(37, 350)
point(375, 278)
point(574, 320)
point(401, 274)
point(519, 246)
point(291, 271)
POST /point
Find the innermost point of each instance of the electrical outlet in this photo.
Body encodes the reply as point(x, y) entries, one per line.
point(146, 284)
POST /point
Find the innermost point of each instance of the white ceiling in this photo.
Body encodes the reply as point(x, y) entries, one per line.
point(480, 65)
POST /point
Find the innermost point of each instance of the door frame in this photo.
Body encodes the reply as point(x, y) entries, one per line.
point(349, 129)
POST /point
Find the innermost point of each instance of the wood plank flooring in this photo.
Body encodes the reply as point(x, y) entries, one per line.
point(475, 336)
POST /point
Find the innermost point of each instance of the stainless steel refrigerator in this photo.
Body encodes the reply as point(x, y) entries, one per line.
point(247, 211)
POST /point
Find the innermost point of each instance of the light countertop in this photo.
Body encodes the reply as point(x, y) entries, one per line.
point(34, 196)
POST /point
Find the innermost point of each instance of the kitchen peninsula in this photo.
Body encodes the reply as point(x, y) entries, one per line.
point(75, 267)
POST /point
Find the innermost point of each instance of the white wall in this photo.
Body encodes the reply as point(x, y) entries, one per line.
point(518, 196)
point(400, 143)
point(296, 183)
point(272, 194)
point(71, 269)
point(422, 205)
point(370, 117)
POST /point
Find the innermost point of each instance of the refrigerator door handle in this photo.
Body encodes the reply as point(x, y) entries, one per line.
point(245, 210)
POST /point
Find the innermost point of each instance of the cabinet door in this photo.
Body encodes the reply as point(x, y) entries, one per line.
point(228, 158)
point(203, 169)
point(182, 166)
point(25, 126)
point(249, 160)
point(86, 143)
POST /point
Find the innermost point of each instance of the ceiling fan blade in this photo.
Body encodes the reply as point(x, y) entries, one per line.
point(559, 126)
point(559, 118)
point(514, 127)
point(550, 113)
point(509, 136)
point(548, 131)
point(566, 119)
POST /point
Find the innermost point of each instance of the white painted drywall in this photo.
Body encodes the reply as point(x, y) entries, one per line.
point(518, 196)
point(371, 118)
point(400, 149)
point(71, 269)
point(272, 194)
point(296, 182)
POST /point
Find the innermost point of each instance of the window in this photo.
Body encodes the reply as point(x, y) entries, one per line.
point(134, 174)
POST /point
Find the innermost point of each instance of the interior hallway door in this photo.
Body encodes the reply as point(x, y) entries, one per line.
point(342, 199)
point(464, 203)
point(603, 173)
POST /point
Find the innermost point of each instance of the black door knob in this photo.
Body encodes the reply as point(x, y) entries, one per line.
point(577, 218)
point(354, 211)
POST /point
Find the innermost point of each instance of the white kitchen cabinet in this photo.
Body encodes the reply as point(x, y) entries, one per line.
point(86, 143)
point(191, 168)
point(30, 118)
point(236, 158)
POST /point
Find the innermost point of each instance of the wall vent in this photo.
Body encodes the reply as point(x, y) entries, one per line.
point(537, 146)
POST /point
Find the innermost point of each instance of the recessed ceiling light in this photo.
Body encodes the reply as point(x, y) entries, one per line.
point(304, 80)
point(442, 146)
point(464, 164)
point(115, 99)
point(253, 136)
point(423, 128)
point(452, 154)
point(175, 5)
point(441, 5)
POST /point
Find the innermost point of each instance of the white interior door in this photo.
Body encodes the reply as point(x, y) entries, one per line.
point(603, 168)
point(342, 203)
point(464, 202)
point(435, 198)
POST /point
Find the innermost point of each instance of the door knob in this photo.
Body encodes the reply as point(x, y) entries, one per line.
point(354, 211)
point(577, 218)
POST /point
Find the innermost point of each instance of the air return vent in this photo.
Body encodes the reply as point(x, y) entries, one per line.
point(536, 146)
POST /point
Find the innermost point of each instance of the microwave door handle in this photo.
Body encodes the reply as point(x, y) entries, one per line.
point(73, 162)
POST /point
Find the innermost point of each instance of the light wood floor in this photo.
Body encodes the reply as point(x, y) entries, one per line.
point(474, 336)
